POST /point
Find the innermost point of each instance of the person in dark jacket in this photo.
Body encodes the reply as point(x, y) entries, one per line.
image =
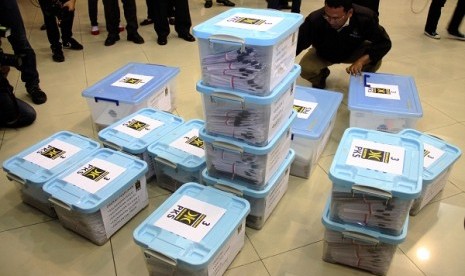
point(341, 32)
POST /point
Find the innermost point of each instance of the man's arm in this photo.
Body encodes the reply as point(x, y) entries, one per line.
point(304, 39)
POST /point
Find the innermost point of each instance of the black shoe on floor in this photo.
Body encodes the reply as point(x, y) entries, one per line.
point(136, 38)
point(322, 83)
point(208, 4)
point(162, 40)
point(146, 22)
point(72, 44)
point(38, 96)
point(43, 27)
point(226, 3)
point(456, 35)
point(187, 37)
point(111, 40)
point(57, 55)
point(171, 20)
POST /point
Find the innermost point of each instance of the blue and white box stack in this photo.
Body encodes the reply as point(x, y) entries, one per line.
point(130, 88)
point(198, 230)
point(439, 158)
point(383, 102)
point(134, 133)
point(376, 177)
point(316, 115)
point(248, 68)
point(248, 50)
point(179, 157)
point(262, 202)
point(36, 165)
point(99, 194)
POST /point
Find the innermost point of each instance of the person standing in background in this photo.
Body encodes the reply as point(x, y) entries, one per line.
point(112, 19)
point(182, 20)
point(209, 3)
point(10, 16)
point(434, 13)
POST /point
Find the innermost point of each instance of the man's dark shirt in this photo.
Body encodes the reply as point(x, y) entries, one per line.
point(336, 46)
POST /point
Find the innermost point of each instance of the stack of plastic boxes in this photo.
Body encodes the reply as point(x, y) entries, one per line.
point(383, 102)
point(134, 133)
point(40, 163)
point(130, 88)
point(376, 177)
point(439, 158)
point(316, 115)
point(248, 81)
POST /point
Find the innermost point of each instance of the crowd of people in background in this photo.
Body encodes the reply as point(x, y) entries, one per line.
point(342, 31)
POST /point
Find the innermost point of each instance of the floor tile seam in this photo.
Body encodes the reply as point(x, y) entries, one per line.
point(290, 250)
point(413, 262)
point(28, 225)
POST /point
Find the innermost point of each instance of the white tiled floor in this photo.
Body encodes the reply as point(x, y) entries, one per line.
point(290, 243)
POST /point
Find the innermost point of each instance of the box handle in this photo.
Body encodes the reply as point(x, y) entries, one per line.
point(372, 191)
point(112, 146)
point(359, 237)
point(16, 178)
point(166, 162)
point(227, 97)
point(106, 100)
point(163, 258)
point(228, 189)
point(228, 147)
point(60, 203)
point(228, 38)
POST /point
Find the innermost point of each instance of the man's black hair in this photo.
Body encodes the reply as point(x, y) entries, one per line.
point(346, 4)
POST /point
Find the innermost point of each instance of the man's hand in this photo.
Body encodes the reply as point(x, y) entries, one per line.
point(356, 67)
point(70, 5)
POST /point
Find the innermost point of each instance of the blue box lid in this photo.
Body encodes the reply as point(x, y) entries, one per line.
point(131, 84)
point(234, 145)
point(439, 154)
point(384, 93)
point(96, 180)
point(182, 147)
point(134, 133)
point(245, 98)
point(362, 233)
point(262, 27)
point(220, 214)
point(44, 160)
point(241, 190)
point(315, 108)
point(379, 163)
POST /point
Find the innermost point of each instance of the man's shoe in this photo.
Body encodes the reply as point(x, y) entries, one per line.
point(72, 44)
point(94, 30)
point(111, 40)
point(322, 83)
point(226, 3)
point(187, 37)
point(208, 4)
point(136, 38)
point(162, 40)
point(57, 55)
point(171, 20)
point(38, 96)
point(146, 22)
point(434, 35)
point(43, 27)
point(456, 35)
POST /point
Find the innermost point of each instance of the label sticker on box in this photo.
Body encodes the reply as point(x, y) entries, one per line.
point(383, 91)
point(304, 109)
point(138, 126)
point(376, 156)
point(431, 154)
point(250, 21)
point(191, 143)
point(190, 218)
point(132, 81)
point(52, 154)
point(94, 175)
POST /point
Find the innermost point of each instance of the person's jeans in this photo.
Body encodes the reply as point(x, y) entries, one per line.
point(10, 16)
